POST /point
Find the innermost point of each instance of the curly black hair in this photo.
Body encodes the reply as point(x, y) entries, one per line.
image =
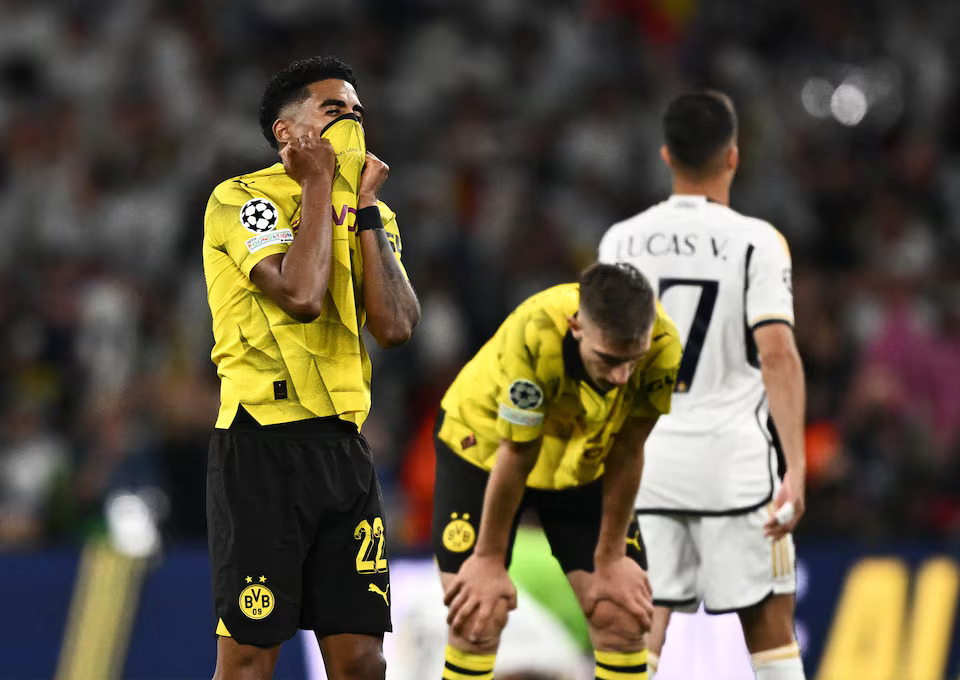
point(697, 127)
point(619, 299)
point(289, 86)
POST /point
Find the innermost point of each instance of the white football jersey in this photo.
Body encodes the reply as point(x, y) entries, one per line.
point(719, 275)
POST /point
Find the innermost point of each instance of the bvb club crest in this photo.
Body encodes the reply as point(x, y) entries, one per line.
point(256, 600)
point(459, 535)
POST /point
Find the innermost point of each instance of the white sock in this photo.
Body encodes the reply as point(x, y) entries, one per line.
point(782, 663)
point(653, 663)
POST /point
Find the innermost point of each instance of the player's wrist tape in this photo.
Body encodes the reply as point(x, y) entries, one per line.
point(368, 218)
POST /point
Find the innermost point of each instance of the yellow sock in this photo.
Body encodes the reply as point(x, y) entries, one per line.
point(466, 666)
point(621, 665)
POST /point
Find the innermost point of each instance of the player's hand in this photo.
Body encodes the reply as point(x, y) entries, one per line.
point(473, 595)
point(374, 174)
point(309, 155)
point(624, 583)
point(783, 521)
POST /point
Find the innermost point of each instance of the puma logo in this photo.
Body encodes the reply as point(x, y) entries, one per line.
point(635, 541)
point(372, 588)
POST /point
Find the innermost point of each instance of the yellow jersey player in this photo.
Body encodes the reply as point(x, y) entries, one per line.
point(551, 415)
point(298, 257)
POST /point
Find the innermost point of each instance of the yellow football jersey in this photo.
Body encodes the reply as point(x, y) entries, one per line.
point(529, 381)
point(279, 369)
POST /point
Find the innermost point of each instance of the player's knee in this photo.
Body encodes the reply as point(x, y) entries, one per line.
point(486, 643)
point(769, 624)
point(360, 663)
point(490, 635)
point(488, 638)
point(244, 662)
point(498, 621)
point(243, 672)
point(657, 636)
point(613, 627)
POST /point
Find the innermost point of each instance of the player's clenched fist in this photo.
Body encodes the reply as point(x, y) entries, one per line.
point(374, 174)
point(308, 155)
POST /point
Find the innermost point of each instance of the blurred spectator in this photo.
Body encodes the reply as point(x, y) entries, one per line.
point(33, 460)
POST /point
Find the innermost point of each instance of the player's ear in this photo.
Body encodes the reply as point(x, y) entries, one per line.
point(281, 130)
point(733, 157)
point(665, 155)
point(575, 326)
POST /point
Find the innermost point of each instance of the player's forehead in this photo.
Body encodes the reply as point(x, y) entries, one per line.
point(605, 343)
point(622, 350)
point(335, 89)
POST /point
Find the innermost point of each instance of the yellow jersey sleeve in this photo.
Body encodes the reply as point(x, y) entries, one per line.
point(521, 387)
point(247, 227)
point(654, 384)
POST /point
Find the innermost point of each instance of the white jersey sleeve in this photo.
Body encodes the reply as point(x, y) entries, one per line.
point(769, 296)
point(719, 275)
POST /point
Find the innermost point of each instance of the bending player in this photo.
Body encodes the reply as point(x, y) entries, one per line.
point(552, 414)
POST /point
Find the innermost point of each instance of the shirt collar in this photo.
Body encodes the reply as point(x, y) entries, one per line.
point(573, 363)
point(687, 200)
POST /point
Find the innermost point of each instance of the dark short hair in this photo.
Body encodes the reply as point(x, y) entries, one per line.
point(619, 299)
point(289, 86)
point(697, 126)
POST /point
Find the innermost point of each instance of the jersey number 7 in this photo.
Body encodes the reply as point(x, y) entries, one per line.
point(698, 329)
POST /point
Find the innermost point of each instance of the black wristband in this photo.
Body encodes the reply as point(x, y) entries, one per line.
point(368, 218)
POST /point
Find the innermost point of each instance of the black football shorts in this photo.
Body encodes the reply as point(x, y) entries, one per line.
point(570, 517)
point(296, 532)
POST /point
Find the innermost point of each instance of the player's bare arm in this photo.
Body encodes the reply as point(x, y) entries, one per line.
point(482, 580)
point(391, 303)
point(782, 371)
point(616, 577)
point(297, 280)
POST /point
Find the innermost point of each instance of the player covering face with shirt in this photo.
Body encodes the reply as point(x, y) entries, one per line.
point(551, 416)
point(299, 257)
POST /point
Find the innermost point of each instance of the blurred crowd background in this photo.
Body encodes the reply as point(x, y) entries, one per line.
point(516, 133)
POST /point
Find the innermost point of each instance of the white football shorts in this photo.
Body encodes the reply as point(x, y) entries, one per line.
point(724, 561)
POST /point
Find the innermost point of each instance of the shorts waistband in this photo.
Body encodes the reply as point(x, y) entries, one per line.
point(328, 426)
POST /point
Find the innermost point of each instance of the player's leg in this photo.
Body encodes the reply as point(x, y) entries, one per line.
point(768, 631)
point(255, 551)
point(489, 640)
point(618, 638)
point(747, 573)
point(244, 662)
point(673, 565)
point(571, 522)
point(346, 574)
point(457, 505)
point(351, 656)
point(656, 638)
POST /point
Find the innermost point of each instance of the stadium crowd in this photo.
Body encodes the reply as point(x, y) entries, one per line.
point(516, 133)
